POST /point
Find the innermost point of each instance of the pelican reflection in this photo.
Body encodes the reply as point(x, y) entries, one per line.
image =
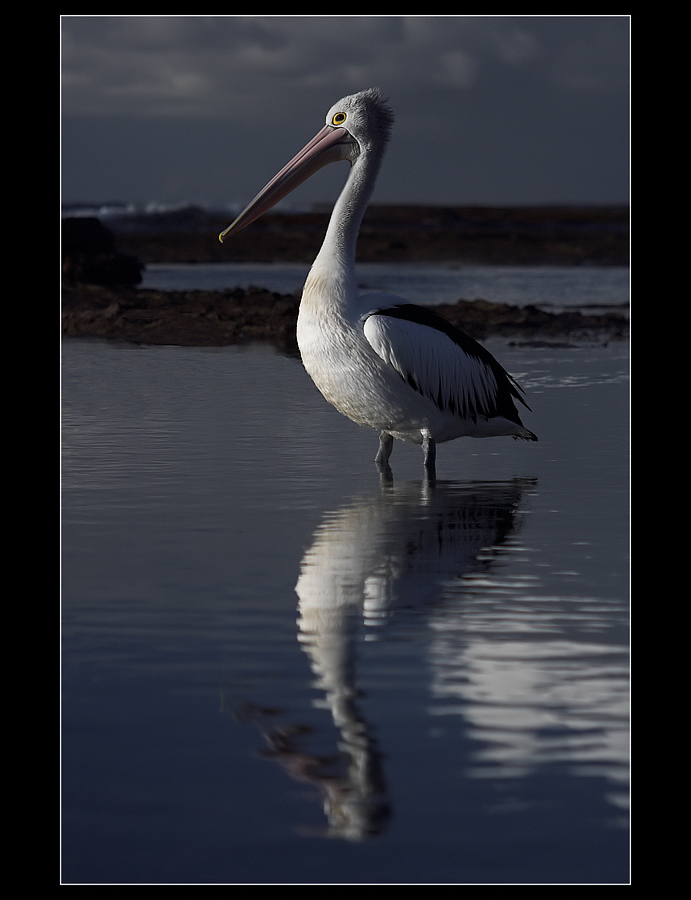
point(376, 564)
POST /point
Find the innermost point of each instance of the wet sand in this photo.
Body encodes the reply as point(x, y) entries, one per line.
point(513, 236)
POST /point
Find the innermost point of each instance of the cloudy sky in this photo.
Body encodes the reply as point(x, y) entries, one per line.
point(205, 109)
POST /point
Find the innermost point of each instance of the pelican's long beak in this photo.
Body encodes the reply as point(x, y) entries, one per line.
point(329, 145)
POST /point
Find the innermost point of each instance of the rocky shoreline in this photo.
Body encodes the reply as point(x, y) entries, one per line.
point(221, 318)
point(470, 235)
point(101, 269)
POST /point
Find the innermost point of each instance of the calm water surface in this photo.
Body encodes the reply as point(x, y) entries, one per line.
point(278, 669)
point(549, 287)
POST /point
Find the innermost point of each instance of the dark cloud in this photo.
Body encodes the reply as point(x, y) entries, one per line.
point(488, 107)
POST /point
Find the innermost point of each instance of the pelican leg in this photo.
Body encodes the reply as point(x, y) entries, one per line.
point(429, 448)
point(385, 448)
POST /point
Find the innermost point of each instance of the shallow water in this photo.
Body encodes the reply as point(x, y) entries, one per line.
point(553, 288)
point(264, 646)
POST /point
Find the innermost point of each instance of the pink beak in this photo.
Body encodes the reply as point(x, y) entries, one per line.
point(329, 145)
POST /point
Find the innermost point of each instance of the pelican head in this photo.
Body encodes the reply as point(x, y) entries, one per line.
point(366, 116)
point(357, 124)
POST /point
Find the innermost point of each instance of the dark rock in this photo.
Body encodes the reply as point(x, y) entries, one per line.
point(86, 236)
point(255, 315)
point(89, 255)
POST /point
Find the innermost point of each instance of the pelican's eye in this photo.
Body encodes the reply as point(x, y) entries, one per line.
point(338, 119)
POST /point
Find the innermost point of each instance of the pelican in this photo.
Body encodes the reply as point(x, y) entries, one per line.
point(380, 360)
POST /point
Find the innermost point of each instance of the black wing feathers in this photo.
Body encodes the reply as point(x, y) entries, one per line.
point(508, 389)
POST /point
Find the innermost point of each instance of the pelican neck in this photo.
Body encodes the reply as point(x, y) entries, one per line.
point(342, 232)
